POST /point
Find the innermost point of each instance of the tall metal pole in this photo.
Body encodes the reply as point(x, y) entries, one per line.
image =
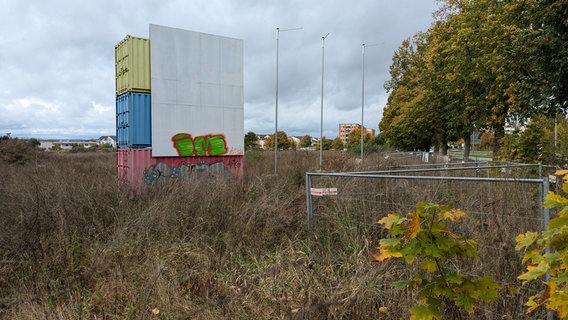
point(276, 109)
point(363, 93)
point(362, 96)
point(321, 120)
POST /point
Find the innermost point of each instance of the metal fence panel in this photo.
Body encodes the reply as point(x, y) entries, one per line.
point(500, 202)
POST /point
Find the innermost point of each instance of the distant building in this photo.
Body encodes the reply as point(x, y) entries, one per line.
point(108, 140)
point(261, 139)
point(69, 144)
point(66, 144)
point(46, 144)
point(346, 128)
point(296, 139)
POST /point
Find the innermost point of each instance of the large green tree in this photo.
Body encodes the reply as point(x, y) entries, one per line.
point(545, 48)
point(354, 139)
point(444, 66)
point(337, 144)
point(407, 121)
point(283, 142)
point(306, 141)
point(531, 145)
point(480, 65)
point(251, 140)
point(326, 144)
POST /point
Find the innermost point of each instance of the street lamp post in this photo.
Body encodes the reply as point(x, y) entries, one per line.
point(362, 95)
point(363, 92)
point(276, 111)
point(321, 120)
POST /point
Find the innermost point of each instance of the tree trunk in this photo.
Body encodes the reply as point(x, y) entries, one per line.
point(444, 145)
point(467, 146)
point(498, 136)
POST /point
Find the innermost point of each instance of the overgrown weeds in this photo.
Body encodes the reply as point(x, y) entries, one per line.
point(203, 247)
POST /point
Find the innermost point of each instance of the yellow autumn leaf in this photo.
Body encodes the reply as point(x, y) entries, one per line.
point(533, 256)
point(565, 178)
point(390, 220)
point(554, 200)
point(561, 172)
point(531, 305)
point(413, 226)
point(559, 303)
point(534, 271)
point(452, 215)
point(524, 240)
point(539, 298)
point(385, 254)
point(532, 267)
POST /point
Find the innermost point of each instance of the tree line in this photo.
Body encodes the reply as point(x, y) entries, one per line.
point(252, 141)
point(482, 66)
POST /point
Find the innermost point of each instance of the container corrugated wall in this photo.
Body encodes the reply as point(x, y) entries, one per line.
point(133, 120)
point(137, 168)
point(132, 65)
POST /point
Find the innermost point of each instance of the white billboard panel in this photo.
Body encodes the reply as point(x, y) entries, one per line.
point(197, 93)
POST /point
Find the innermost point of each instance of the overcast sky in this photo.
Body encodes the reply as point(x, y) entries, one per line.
point(57, 58)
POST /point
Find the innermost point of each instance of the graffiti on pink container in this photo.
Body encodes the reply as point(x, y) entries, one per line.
point(207, 145)
point(161, 170)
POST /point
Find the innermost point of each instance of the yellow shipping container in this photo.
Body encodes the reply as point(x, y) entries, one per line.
point(132, 65)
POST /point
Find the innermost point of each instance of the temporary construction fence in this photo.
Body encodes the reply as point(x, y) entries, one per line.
point(511, 190)
point(500, 202)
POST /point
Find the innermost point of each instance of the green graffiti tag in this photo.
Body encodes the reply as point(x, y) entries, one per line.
point(183, 144)
point(207, 145)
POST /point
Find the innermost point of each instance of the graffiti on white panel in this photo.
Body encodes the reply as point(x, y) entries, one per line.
point(207, 145)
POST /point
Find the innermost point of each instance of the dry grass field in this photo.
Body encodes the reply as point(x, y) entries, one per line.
point(74, 246)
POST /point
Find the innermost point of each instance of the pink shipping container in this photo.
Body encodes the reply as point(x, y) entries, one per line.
point(136, 168)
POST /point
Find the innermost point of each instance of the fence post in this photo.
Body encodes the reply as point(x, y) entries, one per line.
point(546, 219)
point(309, 203)
point(545, 211)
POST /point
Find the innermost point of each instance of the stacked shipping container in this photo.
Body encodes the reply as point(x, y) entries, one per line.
point(133, 104)
point(133, 101)
point(133, 125)
point(132, 65)
point(136, 167)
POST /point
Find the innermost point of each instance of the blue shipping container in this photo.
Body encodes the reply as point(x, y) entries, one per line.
point(133, 120)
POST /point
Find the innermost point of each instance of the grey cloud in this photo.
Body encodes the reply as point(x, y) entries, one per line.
point(61, 53)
